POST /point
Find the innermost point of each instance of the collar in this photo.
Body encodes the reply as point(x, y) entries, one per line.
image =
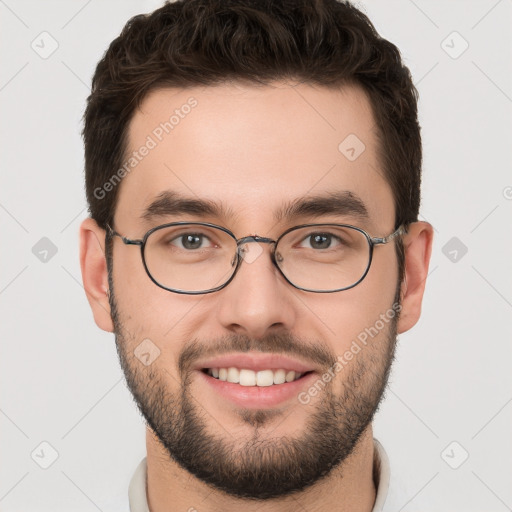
point(381, 473)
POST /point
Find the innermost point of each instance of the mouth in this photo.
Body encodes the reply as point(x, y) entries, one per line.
point(250, 378)
point(254, 389)
point(255, 380)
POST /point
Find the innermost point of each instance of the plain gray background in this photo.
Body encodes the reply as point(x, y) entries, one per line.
point(450, 391)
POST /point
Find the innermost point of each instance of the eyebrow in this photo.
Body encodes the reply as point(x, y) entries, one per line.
point(340, 203)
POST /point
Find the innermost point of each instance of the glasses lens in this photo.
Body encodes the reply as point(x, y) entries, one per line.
point(323, 257)
point(190, 257)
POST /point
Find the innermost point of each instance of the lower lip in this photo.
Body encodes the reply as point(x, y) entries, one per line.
point(258, 397)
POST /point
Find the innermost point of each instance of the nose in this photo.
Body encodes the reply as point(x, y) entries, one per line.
point(258, 300)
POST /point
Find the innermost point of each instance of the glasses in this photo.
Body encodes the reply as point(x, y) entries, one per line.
point(198, 257)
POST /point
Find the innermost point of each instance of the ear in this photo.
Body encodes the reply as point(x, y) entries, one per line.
point(94, 272)
point(418, 248)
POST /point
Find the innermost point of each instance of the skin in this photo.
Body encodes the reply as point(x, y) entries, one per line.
point(255, 148)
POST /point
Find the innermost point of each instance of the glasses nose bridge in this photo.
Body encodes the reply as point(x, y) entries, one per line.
point(254, 238)
point(258, 239)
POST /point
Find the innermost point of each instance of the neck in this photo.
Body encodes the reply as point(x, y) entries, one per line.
point(354, 489)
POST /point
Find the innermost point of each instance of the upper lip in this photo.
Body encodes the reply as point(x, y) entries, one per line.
point(255, 362)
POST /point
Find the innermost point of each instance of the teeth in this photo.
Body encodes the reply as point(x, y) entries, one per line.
point(265, 378)
point(248, 378)
point(233, 375)
point(290, 376)
point(279, 377)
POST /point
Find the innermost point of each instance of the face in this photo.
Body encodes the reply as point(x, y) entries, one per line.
point(254, 152)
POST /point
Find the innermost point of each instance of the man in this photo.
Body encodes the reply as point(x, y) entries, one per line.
point(253, 174)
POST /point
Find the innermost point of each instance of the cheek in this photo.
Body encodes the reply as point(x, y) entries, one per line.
point(137, 296)
point(348, 315)
point(382, 280)
point(153, 320)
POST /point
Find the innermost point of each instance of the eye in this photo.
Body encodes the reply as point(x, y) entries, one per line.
point(321, 241)
point(191, 241)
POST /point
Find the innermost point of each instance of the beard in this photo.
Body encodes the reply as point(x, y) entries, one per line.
point(259, 466)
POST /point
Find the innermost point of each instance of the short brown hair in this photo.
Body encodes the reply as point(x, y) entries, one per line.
point(207, 42)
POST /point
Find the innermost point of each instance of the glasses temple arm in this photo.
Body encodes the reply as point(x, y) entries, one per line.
point(401, 230)
point(127, 241)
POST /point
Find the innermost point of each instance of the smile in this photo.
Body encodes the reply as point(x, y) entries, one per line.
point(246, 377)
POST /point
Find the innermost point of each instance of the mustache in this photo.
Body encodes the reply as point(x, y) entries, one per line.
point(283, 344)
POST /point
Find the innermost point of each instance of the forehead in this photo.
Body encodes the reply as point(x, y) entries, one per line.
point(253, 150)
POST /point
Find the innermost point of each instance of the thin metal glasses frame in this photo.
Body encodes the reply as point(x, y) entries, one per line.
point(372, 242)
